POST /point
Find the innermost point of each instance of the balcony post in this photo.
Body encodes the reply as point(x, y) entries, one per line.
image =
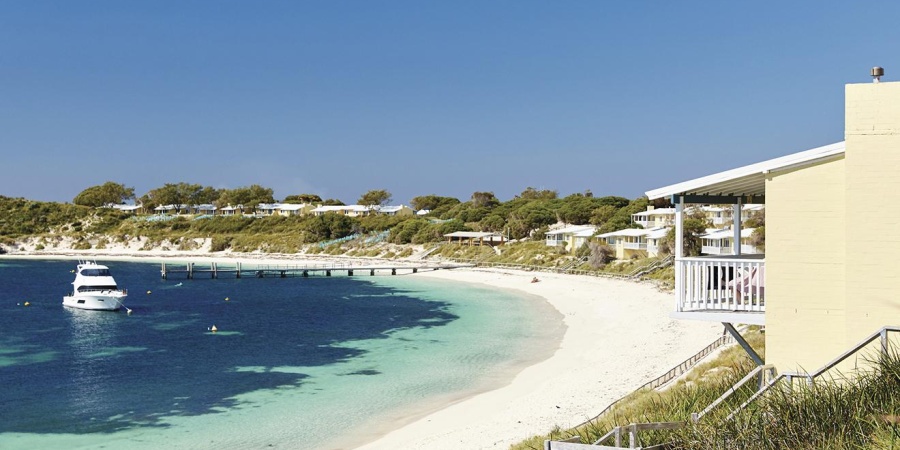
point(679, 251)
point(736, 227)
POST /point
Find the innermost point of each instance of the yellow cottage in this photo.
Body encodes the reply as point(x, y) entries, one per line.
point(830, 275)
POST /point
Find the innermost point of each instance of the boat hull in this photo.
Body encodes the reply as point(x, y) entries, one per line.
point(96, 302)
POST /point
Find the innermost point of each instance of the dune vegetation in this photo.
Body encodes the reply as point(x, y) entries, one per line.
point(859, 412)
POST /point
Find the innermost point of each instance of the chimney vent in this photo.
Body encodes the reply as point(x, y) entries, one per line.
point(877, 73)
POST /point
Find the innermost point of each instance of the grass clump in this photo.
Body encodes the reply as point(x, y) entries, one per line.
point(858, 412)
point(689, 394)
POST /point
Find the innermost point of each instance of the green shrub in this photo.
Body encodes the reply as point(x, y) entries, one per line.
point(220, 243)
point(81, 245)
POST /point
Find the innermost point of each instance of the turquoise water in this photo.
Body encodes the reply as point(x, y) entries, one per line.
point(326, 362)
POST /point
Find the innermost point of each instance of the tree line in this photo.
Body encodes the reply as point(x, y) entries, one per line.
point(531, 211)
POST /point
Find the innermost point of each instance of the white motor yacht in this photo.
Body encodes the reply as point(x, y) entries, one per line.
point(94, 288)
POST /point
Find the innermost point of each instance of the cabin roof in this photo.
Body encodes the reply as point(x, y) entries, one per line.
point(748, 180)
point(726, 234)
point(629, 232)
point(573, 229)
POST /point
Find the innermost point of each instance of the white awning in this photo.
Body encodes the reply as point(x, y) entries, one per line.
point(748, 180)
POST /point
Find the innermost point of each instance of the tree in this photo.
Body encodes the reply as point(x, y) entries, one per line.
point(300, 199)
point(493, 222)
point(404, 232)
point(693, 226)
point(618, 202)
point(432, 202)
point(484, 200)
point(180, 194)
point(375, 197)
point(577, 209)
point(251, 196)
point(332, 202)
point(602, 214)
point(622, 218)
point(531, 193)
point(207, 195)
point(600, 254)
point(661, 203)
point(105, 194)
point(529, 217)
point(757, 221)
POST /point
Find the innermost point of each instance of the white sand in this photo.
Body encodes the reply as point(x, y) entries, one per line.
point(619, 336)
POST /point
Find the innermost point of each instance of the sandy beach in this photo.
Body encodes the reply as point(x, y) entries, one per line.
point(618, 336)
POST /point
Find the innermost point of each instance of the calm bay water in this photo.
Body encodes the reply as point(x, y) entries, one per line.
point(296, 362)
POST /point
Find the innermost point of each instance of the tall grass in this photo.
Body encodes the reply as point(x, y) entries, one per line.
point(689, 394)
point(857, 412)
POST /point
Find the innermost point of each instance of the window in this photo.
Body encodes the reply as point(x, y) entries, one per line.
point(96, 288)
point(95, 272)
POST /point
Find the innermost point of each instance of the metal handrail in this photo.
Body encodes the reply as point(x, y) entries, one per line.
point(882, 333)
point(695, 417)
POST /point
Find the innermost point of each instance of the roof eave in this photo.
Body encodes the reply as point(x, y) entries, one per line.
point(750, 178)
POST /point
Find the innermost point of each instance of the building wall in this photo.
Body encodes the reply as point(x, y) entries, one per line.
point(872, 121)
point(620, 248)
point(805, 268)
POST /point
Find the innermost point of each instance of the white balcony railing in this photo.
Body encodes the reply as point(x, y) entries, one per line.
point(654, 223)
point(747, 249)
point(720, 284)
point(713, 250)
point(636, 245)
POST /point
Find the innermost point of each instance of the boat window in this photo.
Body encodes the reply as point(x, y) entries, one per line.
point(95, 272)
point(96, 288)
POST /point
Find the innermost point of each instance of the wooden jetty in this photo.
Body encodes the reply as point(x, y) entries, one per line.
point(238, 270)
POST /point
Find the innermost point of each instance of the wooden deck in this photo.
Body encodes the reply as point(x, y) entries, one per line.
point(213, 270)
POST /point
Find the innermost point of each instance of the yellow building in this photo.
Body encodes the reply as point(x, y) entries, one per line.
point(654, 217)
point(571, 237)
point(628, 243)
point(829, 277)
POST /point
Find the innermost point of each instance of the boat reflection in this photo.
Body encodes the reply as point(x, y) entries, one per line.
point(93, 335)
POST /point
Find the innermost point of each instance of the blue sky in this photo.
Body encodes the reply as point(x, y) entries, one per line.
point(447, 98)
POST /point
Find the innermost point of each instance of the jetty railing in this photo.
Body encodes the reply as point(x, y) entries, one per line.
point(238, 269)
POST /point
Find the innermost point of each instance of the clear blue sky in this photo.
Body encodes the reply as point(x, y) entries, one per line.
point(422, 97)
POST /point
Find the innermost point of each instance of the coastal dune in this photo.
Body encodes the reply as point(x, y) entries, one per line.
point(619, 335)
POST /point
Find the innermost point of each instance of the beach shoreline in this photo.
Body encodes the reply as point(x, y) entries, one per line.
point(618, 335)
